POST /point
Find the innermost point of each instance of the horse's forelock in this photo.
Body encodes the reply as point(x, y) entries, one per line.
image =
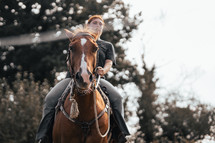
point(85, 30)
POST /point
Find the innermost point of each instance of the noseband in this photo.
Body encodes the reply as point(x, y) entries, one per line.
point(94, 85)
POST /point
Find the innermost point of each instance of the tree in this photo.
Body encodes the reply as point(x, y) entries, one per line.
point(191, 123)
point(21, 108)
point(168, 121)
point(36, 17)
point(147, 109)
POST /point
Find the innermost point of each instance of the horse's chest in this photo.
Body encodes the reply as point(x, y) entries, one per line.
point(77, 134)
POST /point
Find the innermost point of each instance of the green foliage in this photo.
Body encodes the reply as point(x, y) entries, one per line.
point(21, 109)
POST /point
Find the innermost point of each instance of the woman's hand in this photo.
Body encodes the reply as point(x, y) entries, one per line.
point(100, 71)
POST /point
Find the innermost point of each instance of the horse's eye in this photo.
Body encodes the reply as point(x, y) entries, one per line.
point(95, 49)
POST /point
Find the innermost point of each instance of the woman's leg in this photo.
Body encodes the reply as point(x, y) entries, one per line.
point(116, 104)
point(51, 100)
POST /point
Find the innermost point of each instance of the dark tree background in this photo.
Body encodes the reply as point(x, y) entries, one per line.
point(148, 120)
point(168, 121)
point(28, 71)
point(21, 109)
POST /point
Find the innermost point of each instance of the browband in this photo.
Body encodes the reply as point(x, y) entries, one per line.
point(83, 34)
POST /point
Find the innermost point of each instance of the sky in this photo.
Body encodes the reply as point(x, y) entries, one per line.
point(178, 37)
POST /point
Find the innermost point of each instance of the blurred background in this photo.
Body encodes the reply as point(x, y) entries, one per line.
point(165, 64)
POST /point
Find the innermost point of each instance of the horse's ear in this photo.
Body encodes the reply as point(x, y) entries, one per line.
point(69, 34)
point(95, 36)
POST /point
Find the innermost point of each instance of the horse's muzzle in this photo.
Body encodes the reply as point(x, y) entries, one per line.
point(84, 79)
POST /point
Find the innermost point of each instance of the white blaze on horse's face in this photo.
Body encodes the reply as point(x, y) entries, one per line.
point(84, 69)
point(83, 41)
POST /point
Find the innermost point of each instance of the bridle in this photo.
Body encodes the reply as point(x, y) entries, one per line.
point(71, 70)
point(69, 50)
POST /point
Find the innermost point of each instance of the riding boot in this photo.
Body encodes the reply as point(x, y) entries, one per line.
point(121, 125)
point(46, 125)
point(121, 122)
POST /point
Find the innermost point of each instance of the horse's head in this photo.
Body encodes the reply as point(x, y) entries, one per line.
point(82, 57)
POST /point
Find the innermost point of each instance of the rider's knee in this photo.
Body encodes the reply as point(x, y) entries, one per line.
point(116, 98)
point(52, 97)
point(50, 101)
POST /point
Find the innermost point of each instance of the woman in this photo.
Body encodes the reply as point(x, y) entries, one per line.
point(105, 60)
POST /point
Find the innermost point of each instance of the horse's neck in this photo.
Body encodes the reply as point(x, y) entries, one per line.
point(85, 102)
point(86, 105)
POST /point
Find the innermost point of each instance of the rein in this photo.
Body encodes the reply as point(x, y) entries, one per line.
point(95, 112)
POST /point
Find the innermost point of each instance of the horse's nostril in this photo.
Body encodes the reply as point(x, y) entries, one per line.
point(77, 76)
point(91, 77)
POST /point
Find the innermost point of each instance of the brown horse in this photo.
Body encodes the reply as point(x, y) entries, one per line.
point(78, 121)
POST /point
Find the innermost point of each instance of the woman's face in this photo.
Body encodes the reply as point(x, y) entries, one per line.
point(96, 25)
